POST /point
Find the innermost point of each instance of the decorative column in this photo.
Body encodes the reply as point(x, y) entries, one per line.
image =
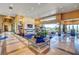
point(19, 21)
point(64, 28)
point(59, 19)
point(16, 23)
point(37, 22)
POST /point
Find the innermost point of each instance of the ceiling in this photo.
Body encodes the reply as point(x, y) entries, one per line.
point(35, 10)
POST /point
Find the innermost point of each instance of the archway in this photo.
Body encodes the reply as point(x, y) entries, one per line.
point(7, 24)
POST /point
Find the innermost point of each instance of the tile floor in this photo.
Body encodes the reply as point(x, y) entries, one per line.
point(64, 45)
point(16, 45)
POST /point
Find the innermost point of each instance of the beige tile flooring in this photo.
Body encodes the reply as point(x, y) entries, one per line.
point(57, 52)
point(65, 45)
point(16, 45)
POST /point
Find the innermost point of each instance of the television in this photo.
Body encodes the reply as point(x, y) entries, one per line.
point(29, 25)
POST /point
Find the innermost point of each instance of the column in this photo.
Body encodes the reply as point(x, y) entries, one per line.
point(64, 28)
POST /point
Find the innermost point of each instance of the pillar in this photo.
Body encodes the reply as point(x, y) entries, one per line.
point(59, 19)
point(64, 28)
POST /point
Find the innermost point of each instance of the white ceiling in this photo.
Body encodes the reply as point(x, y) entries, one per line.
point(36, 10)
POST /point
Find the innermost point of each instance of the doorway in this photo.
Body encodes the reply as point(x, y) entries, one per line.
point(7, 25)
point(5, 28)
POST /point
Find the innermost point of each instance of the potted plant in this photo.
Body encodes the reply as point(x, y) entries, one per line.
point(39, 37)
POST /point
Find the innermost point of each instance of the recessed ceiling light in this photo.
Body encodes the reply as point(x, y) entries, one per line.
point(11, 7)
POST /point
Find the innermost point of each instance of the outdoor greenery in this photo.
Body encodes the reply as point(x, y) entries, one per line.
point(43, 33)
point(52, 29)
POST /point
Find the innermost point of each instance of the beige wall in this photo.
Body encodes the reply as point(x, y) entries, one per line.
point(25, 20)
point(29, 21)
point(1, 21)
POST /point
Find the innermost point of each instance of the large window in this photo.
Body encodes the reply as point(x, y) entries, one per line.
point(75, 27)
point(78, 28)
point(51, 27)
point(71, 27)
point(68, 28)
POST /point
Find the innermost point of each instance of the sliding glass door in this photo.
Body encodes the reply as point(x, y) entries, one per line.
point(75, 27)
